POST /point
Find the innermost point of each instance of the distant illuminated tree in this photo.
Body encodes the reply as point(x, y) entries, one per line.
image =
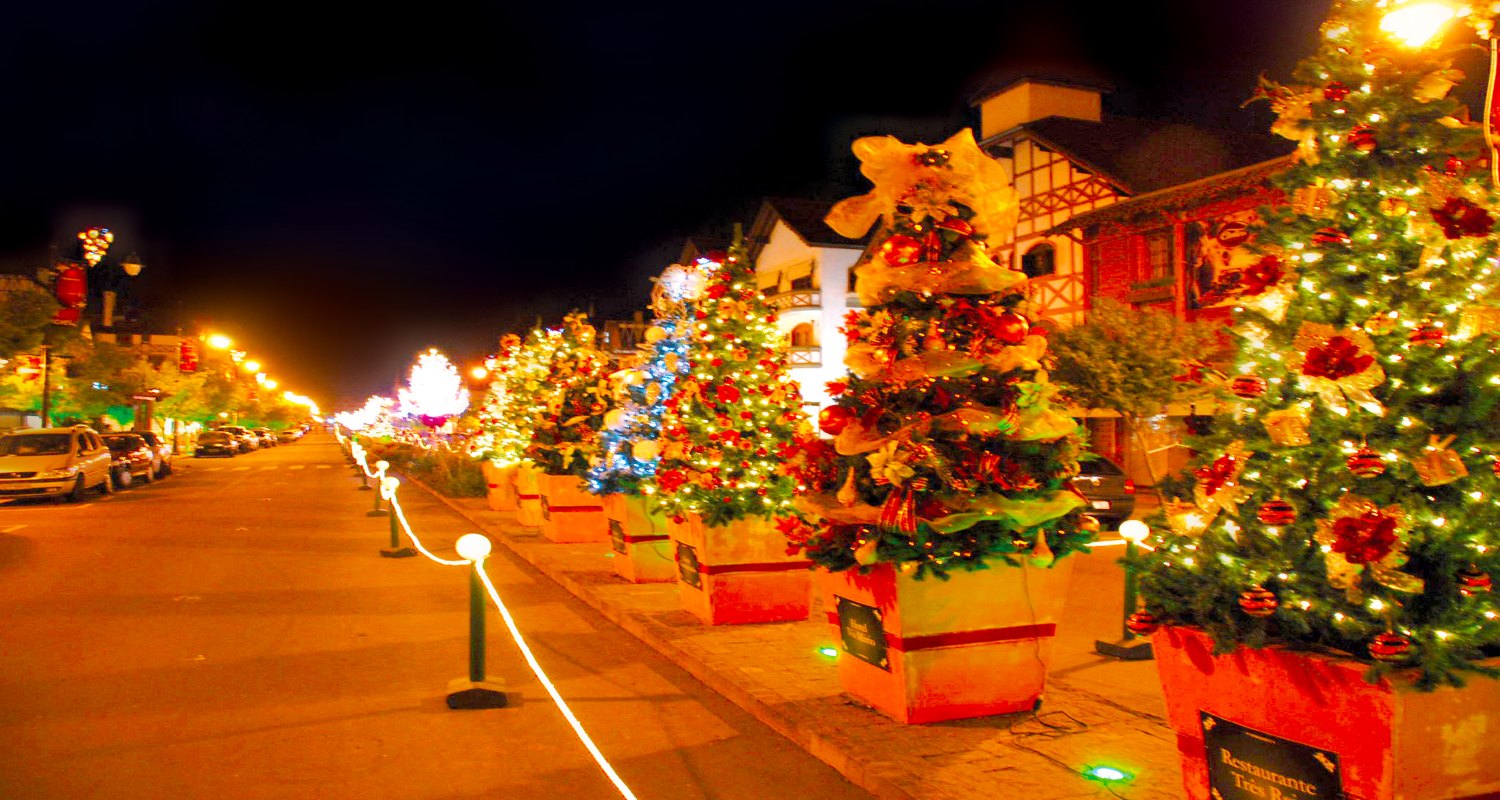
point(435, 391)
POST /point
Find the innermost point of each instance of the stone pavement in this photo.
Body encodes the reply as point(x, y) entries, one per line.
point(1096, 710)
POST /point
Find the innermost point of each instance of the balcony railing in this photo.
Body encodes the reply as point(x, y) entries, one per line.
point(804, 356)
point(796, 298)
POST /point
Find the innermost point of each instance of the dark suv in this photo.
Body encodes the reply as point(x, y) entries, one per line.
point(1110, 493)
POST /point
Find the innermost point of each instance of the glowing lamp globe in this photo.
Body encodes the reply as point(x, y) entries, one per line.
point(382, 465)
point(473, 546)
point(1417, 22)
point(1133, 530)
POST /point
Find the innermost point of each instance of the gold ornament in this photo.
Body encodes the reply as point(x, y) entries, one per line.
point(1476, 320)
point(1435, 85)
point(1379, 325)
point(1437, 464)
point(1394, 207)
point(1041, 554)
point(1186, 519)
point(848, 494)
point(1312, 201)
point(1288, 427)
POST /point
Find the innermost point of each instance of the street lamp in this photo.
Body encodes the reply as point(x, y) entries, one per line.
point(219, 341)
point(1416, 22)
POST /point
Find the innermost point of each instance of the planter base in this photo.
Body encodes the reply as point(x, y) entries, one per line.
point(739, 573)
point(569, 513)
point(528, 496)
point(1387, 740)
point(500, 482)
point(642, 548)
point(467, 695)
point(932, 650)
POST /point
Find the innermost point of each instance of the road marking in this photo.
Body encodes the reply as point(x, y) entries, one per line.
point(325, 466)
point(241, 469)
point(263, 469)
point(12, 528)
point(297, 466)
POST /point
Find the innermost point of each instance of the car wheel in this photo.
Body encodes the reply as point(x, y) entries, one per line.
point(148, 476)
point(76, 495)
point(107, 486)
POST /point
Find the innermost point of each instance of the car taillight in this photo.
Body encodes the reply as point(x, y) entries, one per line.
point(1129, 486)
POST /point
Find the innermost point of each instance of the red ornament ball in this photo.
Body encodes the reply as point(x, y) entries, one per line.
point(833, 419)
point(1335, 92)
point(1362, 139)
point(900, 250)
point(1011, 328)
point(956, 225)
point(1142, 623)
point(1472, 580)
point(1495, 467)
point(1429, 334)
point(1366, 463)
point(1276, 512)
point(1258, 602)
point(1389, 647)
point(1330, 236)
point(1248, 386)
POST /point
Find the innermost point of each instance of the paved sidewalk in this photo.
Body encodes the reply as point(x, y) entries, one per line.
point(1096, 710)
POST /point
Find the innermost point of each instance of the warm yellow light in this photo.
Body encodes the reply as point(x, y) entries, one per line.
point(269, 383)
point(252, 366)
point(1134, 530)
point(219, 341)
point(479, 373)
point(1416, 22)
point(473, 546)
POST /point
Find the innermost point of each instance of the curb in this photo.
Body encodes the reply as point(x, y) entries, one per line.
point(824, 745)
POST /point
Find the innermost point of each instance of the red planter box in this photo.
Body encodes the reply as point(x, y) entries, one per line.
point(1389, 741)
point(931, 650)
point(569, 512)
point(529, 496)
point(500, 483)
point(642, 548)
point(739, 573)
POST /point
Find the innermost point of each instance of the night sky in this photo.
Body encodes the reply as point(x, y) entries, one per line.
point(340, 190)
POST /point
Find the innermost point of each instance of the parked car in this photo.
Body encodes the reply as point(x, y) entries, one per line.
point(216, 443)
point(133, 458)
point(54, 462)
point(266, 436)
point(286, 435)
point(247, 440)
point(162, 450)
point(1111, 495)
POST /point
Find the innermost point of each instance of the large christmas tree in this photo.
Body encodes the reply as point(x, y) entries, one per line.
point(1351, 502)
point(565, 436)
point(630, 447)
point(516, 398)
point(948, 451)
point(729, 417)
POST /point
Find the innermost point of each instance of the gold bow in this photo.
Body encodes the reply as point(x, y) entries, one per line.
point(1344, 574)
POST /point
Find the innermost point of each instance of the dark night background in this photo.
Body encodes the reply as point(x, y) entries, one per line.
point(339, 189)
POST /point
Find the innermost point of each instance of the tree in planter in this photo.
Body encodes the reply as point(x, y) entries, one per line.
point(949, 452)
point(565, 435)
point(1351, 503)
point(630, 446)
point(729, 417)
point(1131, 362)
point(516, 398)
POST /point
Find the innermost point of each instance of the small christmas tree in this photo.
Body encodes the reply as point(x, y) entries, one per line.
point(515, 398)
point(434, 392)
point(949, 453)
point(729, 418)
point(630, 442)
point(565, 436)
point(1351, 502)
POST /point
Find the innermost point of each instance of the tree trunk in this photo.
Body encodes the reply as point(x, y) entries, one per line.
point(1133, 423)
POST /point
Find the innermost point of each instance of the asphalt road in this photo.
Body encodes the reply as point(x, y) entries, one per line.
point(232, 632)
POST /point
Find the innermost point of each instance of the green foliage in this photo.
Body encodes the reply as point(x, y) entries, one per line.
point(25, 314)
point(451, 473)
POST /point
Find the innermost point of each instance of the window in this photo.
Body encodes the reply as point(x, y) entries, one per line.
point(802, 335)
point(1156, 262)
point(1040, 260)
point(804, 282)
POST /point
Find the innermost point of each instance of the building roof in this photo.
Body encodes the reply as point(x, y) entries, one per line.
point(1174, 199)
point(1141, 156)
point(805, 218)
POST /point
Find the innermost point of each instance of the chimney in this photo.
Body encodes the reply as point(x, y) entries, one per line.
point(1030, 99)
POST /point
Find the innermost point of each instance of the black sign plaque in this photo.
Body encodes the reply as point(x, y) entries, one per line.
point(546, 509)
point(863, 630)
point(617, 536)
point(687, 565)
point(1245, 764)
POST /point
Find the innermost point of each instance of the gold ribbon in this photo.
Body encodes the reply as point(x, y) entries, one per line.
point(1333, 391)
point(1344, 574)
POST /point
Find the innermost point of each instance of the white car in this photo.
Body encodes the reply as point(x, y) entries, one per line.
point(54, 462)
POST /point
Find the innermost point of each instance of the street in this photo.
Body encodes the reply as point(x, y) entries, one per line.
point(232, 632)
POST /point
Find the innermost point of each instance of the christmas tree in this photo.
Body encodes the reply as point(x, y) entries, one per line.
point(515, 398)
point(947, 451)
point(630, 447)
point(565, 435)
point(1351, 502)
point(728, 418)
point(434, 392)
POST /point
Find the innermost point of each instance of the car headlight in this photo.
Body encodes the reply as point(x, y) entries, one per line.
point(59, 473)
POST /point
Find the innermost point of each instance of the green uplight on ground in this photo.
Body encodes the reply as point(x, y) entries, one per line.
point(828, 651)
point(1105, 774)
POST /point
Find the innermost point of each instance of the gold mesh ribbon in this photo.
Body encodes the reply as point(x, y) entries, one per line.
point(1334, 391)
point(1344, 574)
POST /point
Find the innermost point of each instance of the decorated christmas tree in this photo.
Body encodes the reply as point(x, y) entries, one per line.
point(516, 397)
point(434, 391)
point(630, 446)
point(1351, 502)
point(730, 416)
point(565, 435)
point(948, 452)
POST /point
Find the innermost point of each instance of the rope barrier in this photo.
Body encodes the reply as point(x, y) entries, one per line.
point(387, 490)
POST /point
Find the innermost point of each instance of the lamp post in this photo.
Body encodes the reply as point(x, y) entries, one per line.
point(1133, 531)
point(476, 691)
